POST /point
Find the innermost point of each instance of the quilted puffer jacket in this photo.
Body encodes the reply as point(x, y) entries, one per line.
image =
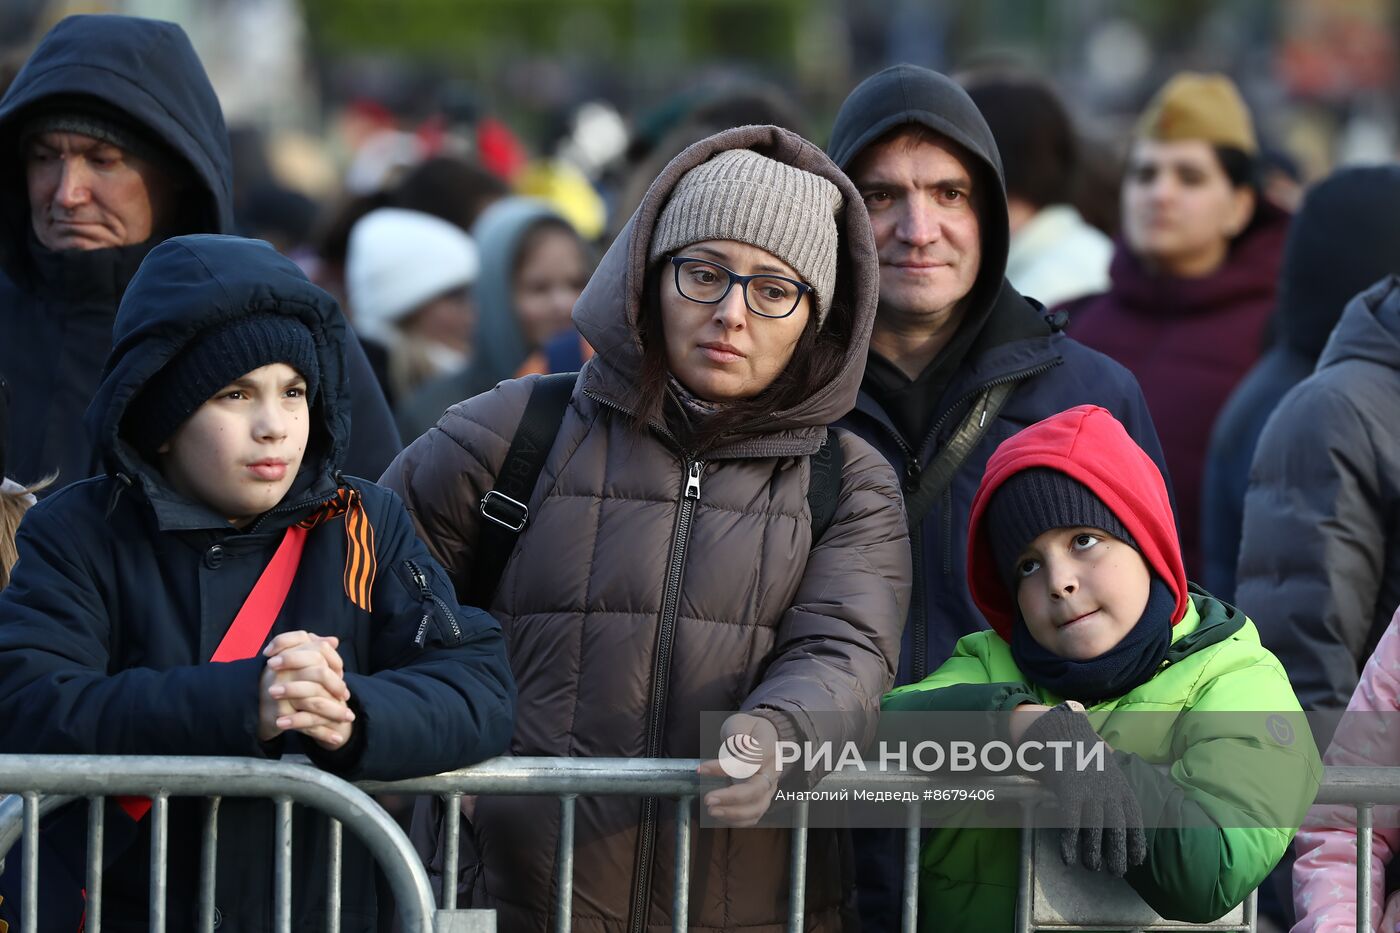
point(653, 583)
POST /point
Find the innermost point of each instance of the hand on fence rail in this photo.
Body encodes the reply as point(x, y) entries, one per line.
point(744, 802)
point(303, 689)
point(1103, 821)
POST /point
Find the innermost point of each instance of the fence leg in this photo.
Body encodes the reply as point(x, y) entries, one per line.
point(909, 916)
point(1025, 886)
point(333, 871)
point(282, 905)
point(94, 866)
point(160, 858)
point(797, 890)
point(208, 865)
point(680, 910)
point(1363, 865)
point(452, 825)
point(29, 883)
point(564, 876)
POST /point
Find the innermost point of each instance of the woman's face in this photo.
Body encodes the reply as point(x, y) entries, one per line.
point(1180, 210)
point(723, 352)
point(550, 277)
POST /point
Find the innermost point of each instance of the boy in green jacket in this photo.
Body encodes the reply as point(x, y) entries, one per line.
point(1073, 558)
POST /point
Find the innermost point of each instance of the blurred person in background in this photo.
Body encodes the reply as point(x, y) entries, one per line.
point(1341, 242)
point(111, 140)
point(689, 117)
point(533, 268)
point(958, 360)
point(410, 276)
point(1194, 277)
point(453, 188)
point(1054, 255)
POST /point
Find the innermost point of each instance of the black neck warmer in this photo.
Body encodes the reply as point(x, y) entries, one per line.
point(1129, 664)
point(87, 275)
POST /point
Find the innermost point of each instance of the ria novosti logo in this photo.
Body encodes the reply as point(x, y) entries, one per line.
point(740, 756)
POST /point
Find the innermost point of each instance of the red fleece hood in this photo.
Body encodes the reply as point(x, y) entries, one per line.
point(1088, 444)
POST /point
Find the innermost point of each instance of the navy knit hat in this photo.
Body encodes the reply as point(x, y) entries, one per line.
point(90, 116)
point(213, 360)
point(1036, 500)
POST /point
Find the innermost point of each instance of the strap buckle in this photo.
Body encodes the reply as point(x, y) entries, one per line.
point(516, 513)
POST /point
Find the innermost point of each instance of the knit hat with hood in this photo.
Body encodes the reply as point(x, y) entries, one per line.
point(189, 289)
point(743, 196)
point(1090, 446)
point(909, 94)
point(608, 312)
point(139, 78)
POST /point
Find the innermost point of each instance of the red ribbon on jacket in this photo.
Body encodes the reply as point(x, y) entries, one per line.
point(248, 633)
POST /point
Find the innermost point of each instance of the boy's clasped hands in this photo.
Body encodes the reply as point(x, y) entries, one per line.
point(303, 689)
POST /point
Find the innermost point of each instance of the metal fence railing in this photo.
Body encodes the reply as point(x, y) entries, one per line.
point(568, 778)
point(1050, 897)
point(37, 778)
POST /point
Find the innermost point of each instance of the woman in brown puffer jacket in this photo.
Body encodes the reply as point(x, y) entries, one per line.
point(668, 567)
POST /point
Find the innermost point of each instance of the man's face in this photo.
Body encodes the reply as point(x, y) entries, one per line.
point(88, 194)
point(923, 208)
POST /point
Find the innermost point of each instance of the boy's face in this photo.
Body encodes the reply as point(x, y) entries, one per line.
point(240, 451)
point(1080, 590)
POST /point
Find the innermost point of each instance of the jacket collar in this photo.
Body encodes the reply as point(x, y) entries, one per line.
point(1015, 339)
point(1208, 621)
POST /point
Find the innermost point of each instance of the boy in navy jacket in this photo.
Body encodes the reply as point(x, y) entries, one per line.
point(222, 417)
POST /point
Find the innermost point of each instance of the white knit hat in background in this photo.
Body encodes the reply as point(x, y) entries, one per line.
point(398, 260)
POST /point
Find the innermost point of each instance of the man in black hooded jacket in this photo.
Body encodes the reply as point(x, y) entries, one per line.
point(958, 360)
point(111, 140)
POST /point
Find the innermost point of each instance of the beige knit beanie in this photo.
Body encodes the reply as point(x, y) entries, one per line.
point(741, 195)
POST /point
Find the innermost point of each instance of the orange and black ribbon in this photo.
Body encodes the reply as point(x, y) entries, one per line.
point(360, 561)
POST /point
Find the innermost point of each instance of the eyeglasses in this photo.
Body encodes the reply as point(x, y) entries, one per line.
point(765, 294)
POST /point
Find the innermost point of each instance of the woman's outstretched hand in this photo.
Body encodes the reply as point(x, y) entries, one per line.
point(743, 803)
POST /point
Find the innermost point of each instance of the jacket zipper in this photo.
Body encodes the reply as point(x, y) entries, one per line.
point(427, 593)
point(918, 666)
point(660, 683)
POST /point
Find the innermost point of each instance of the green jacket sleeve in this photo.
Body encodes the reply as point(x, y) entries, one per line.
point(964, 682)
point(1241, 781)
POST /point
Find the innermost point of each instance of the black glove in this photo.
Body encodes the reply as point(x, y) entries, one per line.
point(1103, 822)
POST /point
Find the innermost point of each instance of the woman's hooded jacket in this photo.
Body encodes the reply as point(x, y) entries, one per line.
point(124, 589)
point(1238, 786)
point(760, 617)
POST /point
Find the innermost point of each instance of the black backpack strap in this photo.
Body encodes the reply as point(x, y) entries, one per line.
point(975, 424)
point(824, 487)
point(506, 507)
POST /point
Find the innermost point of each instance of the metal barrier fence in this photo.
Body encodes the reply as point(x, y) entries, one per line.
point(96, 777)
point(40, 780)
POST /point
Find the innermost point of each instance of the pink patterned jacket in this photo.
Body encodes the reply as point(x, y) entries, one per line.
point(1324, 877)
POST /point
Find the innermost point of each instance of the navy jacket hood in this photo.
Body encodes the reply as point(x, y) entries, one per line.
point(145, 68)
point(191, 283)
point(1369, 329)
point(903, 94)
point(1341, 242)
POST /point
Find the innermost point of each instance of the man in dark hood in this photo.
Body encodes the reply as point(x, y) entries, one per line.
point(111, 140)
point(951, 338)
